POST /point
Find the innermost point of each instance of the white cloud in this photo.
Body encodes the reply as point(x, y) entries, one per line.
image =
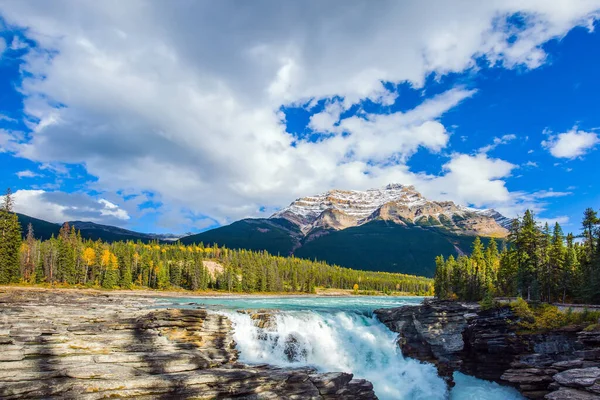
point(59, 207)
point(2, 45)
point(531, 164)
point(184, 100)
point(27, 174)
point(112, 210)
point(546, 194)
point(17, 44)
point(497, 142)
point(562, 220)
point(571, 144)
point(7, 118)
point(473, 180)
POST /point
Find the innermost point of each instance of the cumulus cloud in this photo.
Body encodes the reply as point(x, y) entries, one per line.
point(2, 45)
point(571, 144)
point(474, 180)
point(184, 100)
point(59, 207)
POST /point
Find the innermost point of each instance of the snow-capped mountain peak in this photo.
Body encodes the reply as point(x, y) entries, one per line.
point(340, 209)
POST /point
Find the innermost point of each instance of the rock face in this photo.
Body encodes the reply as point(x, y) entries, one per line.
point(341, 209)
point(65, 344)
point(486, 344)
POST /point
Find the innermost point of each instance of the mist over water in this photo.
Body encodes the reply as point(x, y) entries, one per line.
point(341, 334)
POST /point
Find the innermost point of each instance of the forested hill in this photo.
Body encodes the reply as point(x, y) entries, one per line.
point(376, 246)
point(70, 260)
point(89, 230)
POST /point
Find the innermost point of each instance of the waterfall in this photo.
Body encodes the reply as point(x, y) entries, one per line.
point(351, 342)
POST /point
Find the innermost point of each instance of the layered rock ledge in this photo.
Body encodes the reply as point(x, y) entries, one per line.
point(563, 364)
point(90, 345)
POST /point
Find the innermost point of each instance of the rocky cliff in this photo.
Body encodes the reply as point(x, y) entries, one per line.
point(563, 364)
point(74, 345)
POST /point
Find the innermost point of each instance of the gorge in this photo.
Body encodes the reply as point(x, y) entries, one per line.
point(558, 364)
point(92, 345)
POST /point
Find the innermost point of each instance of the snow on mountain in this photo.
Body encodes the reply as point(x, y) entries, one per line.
point(340, 209)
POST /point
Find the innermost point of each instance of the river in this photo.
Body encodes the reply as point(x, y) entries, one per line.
point(341, 334)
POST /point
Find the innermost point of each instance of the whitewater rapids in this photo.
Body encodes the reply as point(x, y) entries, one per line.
point(339, 334)
point(352, 342)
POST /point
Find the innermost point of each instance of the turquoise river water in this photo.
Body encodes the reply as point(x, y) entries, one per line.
point(340, 334)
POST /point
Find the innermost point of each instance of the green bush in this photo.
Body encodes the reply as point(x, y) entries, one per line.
point(547, 317)
point(488, 302)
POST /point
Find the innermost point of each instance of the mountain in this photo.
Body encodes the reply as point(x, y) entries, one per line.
point(89, 230)
point(42, 229)
point(392, 229)
point(340, 209)
point(109, 233)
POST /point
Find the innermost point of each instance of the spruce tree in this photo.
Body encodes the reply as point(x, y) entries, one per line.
point(66, 271)
point(556, 262)
point(570, 279)
point(10, 241)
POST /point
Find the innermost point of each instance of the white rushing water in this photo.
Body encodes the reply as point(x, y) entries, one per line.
point(342, 335)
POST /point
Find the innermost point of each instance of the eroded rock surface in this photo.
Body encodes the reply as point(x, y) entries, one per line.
point(487, 344)
point(74, 345)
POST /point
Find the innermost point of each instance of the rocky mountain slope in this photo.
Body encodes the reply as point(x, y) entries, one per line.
point(403, 205)
point(392, 229)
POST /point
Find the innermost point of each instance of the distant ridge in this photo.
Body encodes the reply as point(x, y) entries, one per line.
point(89, 230)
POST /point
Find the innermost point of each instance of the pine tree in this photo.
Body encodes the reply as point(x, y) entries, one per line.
point(29, 263)
point(479, 269)
point(528, 243)
point(570, 276)
point(66, 271)
point(556, 262)
point(440, 282)
point(590, 220)
point(544, 273)
point(590, 262)
point(10, 241)
point(111, 273)
point(492, 261)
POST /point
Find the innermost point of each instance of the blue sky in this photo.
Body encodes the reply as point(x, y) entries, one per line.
point(187, 118)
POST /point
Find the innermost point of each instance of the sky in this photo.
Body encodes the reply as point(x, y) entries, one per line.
point(183, 116)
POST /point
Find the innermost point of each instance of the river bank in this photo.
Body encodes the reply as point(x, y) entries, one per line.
point(89, 344)
point(144, 292)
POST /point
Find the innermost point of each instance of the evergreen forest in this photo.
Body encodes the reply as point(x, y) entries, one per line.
point(535, 262)
point(69, 260)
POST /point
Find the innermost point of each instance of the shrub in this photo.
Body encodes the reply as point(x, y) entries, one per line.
point(549, 317)
point(521, 309)
point(524, 313)
point(488, 302)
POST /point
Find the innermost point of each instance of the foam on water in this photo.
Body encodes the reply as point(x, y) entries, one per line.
point(343, 335)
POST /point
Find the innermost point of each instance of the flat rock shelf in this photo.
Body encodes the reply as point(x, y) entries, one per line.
point(67, 344)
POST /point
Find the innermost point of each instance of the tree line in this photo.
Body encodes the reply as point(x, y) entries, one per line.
point(535, 262)
point(68, 259)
